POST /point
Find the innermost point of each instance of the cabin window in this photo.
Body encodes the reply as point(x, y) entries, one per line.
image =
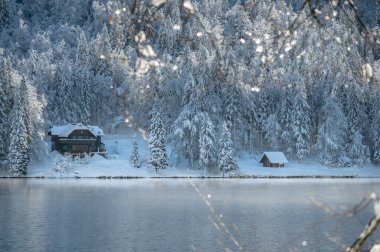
point(66, 147)
point(80, 147)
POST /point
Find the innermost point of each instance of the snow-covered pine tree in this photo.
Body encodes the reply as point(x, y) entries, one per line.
point(236, 25)
point(374, 129)
point(134, 158)
point(332, 135)
point(233, 99)
point(170, 29)
point(167, 34)
point(35, 123)
point(354, 109)
point(82, 55)
point(118, 32)
point(226, 158)
point(267, 102)
point(356, 149)
point(5, 12)
point(87, 98)
point(158, 158)
point(287, 109)
point(119, 27)
point(6, 102)
point(101, 54)
point(186, 126)
point(301, 123)
point(19, 147)
point(83, 80)
point(66, 107)
point(206, 143)
point(375, 135)
point(273, 131)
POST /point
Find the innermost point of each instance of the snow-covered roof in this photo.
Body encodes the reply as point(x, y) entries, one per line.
point(66, 130)
point(275, 157)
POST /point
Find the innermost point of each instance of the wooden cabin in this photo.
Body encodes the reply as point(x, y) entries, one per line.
point(273, 159)
point(77, 139)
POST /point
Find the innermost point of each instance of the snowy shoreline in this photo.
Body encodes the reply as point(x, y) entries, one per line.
point(118, 166)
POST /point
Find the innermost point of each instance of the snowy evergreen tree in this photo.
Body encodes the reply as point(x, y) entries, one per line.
point(226, 158)
point(65, 104)
point(286, 117)
point(187, 125)
point(19, 147)
point(82, 55)
point(134, 158)
point(6, 100)
point(101, 54)
point(376, 139)
point(206, 143)
point(354, 109)
point(332, 136)
point(5, 12)
point(300, 124)
point(356, 149)
point(35, 121)
point(374, 130)
point(267, 102)
point(84, 80)
point(158, 158)
point(233, 99)
point(118, 32)
point(236, 25)
point(273, 131)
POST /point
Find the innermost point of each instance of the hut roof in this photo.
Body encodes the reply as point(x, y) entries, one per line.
point(274, 157)
point(66, 130)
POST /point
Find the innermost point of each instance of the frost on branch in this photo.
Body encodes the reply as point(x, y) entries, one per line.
point(140, 37)
point(189, 6)
point(157, 3)
point(375, 248)
point(377, 209)
point(367, 72)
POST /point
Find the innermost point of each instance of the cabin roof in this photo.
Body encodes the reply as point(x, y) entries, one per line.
point(66, 130)
point(274, 157)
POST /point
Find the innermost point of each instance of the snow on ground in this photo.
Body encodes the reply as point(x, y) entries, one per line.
point(252, 167)
point(118, 165)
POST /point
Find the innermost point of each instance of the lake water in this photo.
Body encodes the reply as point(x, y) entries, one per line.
point(181, 215)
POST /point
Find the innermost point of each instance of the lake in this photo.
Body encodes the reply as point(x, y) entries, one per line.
point(182, 214)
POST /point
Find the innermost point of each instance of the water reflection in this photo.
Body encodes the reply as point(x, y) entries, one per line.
point(178, 215)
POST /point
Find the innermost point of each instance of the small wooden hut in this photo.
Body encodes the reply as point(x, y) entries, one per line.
point(273, 159)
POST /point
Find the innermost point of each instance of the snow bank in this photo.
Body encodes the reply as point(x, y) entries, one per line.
point(96, 158)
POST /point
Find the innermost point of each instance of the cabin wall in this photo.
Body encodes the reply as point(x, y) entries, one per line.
point(267, 163)
point(275, 165)
point(78, 142)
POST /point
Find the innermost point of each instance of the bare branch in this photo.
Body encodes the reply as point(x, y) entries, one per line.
point(368, 230)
